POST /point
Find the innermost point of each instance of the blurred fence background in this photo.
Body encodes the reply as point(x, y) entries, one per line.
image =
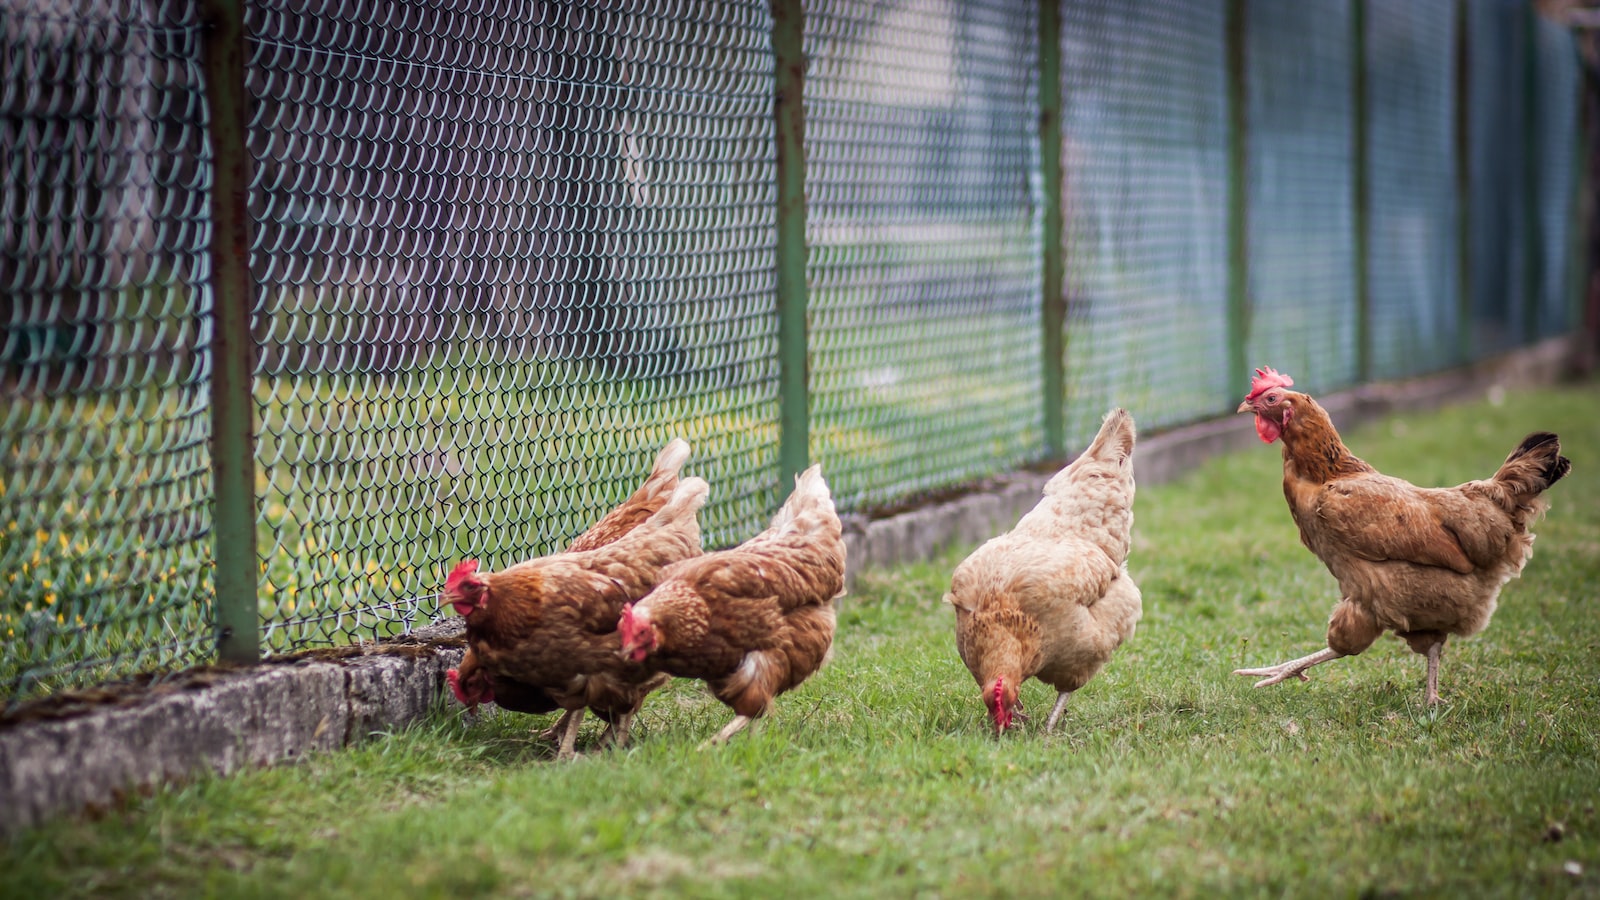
point(487, 262)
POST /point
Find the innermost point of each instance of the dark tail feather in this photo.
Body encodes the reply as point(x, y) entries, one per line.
point(1536, 464)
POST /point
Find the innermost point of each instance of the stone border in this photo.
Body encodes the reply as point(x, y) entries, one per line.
point(225, 720)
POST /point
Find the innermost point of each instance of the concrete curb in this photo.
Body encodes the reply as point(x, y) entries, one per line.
point(222, 720)
point(217, 720)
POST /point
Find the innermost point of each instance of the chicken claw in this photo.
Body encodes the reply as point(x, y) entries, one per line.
point(1294, 668)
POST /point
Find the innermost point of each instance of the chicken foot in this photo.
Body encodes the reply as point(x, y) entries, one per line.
point(1055, 714)
point(732, 728)
point(1294, 668)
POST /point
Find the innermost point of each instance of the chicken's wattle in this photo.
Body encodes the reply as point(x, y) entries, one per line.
point(1267, 429)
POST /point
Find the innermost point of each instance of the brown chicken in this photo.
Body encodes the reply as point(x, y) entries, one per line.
point(1052, 599)
point(472, 684)
point(753, 621)
point(549, 625)
point(1424, 563)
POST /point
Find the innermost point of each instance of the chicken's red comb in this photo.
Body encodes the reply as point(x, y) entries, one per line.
point(463, 570)
point(1002, 716)
point(626, 626)
point(1266, 379)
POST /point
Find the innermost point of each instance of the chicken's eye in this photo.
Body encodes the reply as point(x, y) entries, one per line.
point(1274, 398)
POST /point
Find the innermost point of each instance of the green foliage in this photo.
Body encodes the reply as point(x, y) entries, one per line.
point(879, 777)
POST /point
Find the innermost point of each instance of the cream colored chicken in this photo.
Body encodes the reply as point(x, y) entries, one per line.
point(1052, 598)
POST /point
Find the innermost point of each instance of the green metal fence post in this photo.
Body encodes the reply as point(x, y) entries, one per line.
point(238, 622)
point(1359, 179)
point(788, 111)
point(1465, 344)
point(1053, 311)
point(1238, 201)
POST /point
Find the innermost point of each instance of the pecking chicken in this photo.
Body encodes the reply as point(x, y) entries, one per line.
point(1052, 599)
point(548, 626)
point(1424, 563)
point(472, 684)
point(753, 621)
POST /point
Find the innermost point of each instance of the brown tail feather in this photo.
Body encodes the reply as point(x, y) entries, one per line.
point(1536, 464)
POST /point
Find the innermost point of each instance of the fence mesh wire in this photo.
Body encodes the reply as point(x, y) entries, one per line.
point(1301, 191)
point(1144, 153)
point(1412, 189)
point(922, 224)
point(502, 255)
point(1497, 208)
point(104, 470)
point(1556, 105)
point(502, 261)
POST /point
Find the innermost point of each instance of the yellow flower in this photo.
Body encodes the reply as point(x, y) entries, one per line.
point(49, 599)
point(45, 583)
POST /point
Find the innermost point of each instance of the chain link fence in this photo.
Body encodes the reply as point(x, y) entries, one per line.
point(499, 258)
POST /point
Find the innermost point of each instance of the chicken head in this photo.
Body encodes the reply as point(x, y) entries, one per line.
point(464, 590)
point(638, 634)
point(1272, 405)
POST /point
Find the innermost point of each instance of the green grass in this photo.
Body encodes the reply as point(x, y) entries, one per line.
point(1168, 775)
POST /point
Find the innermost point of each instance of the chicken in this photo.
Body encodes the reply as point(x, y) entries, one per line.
point(1424, 563)
point(1052, 599)
point(753, 621)
point(548, 625)
point(473, 685)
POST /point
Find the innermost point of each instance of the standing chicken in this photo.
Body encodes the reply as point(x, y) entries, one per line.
point(1052, 599)
point(472, 684)
point(753, 621)
point(1424, 563)
point(549, 625)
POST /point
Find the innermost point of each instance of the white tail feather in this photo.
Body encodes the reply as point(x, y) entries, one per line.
point(672, 456)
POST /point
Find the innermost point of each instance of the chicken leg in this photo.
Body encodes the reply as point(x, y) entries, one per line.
point(1433, 672)
point(569, 738)
point(1061, 705)
point(554, 732)
point(616, 733)
point(1294, 668)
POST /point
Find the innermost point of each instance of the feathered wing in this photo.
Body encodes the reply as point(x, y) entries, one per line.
point(1463, 529)
point(1378, 518)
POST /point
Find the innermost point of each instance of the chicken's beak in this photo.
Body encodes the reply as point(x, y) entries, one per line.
point(1245, 407)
